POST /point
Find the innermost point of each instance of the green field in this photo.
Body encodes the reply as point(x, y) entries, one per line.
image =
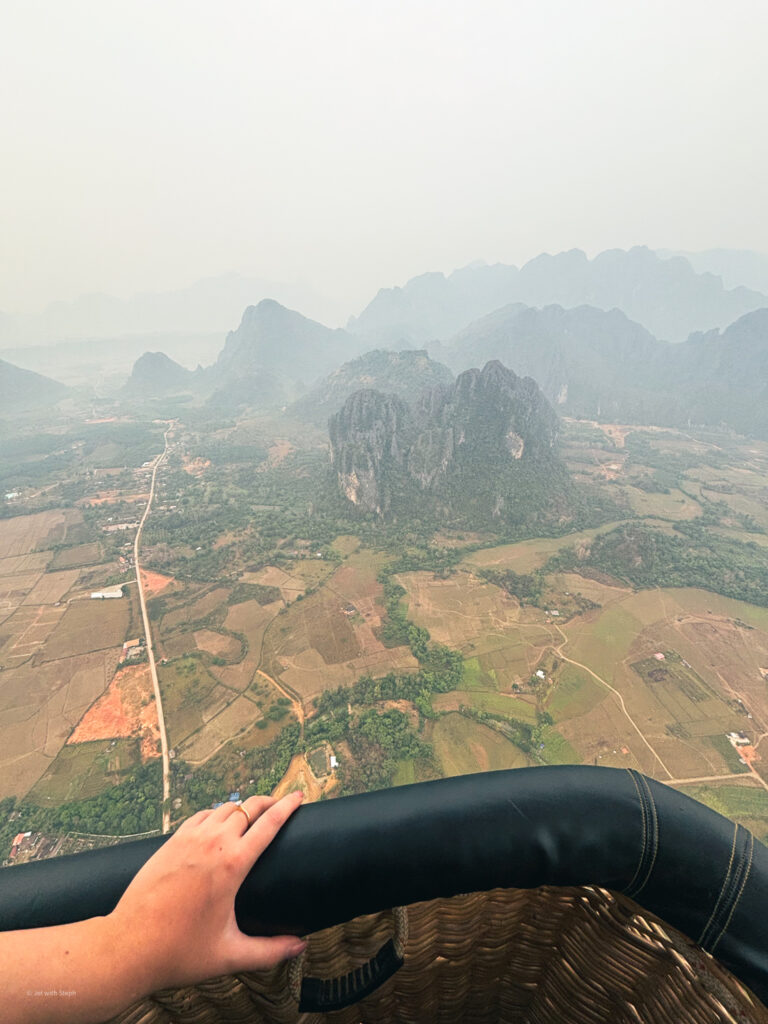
point(474, 676)
point(463, 746)
point(727, 751)
point(575, 693)
point(188, 691)
point(405, 774)
point(556, 749)
point(746, 804)
point(82, 770)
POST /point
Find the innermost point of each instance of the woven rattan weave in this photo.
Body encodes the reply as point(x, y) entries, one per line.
point(513, 956)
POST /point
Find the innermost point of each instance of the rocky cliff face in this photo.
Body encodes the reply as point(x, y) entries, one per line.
point(368, 447)
point(470, 447)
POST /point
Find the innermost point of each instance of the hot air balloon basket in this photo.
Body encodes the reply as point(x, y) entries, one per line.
point(550, 955)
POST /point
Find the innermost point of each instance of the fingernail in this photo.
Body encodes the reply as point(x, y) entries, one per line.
point(298, 948)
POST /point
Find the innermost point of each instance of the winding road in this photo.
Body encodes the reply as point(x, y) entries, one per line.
point(150, 650)
point(614, 691)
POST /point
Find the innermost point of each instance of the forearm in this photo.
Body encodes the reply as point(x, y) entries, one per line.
point(82, 973)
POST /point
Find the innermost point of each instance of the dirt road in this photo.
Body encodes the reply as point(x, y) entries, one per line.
point(150, 650)
point(298, 707)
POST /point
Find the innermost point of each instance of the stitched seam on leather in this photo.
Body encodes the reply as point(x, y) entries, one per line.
point(739, 865)
point(654, 835)
point(647, 826)
point(722, 888)
point(726, 926)
point(644, 829)
point(724, 929)
point(646, 815)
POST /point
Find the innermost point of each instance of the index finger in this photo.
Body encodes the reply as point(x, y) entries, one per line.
point(267, 825)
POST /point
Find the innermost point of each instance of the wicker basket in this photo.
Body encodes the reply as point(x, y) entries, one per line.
point(577, 955)
point(552, 857)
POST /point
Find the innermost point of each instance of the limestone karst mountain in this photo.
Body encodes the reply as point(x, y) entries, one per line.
point(483, 448)
point(271, 337)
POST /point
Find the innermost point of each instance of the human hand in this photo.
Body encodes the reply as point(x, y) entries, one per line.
point(177, 917)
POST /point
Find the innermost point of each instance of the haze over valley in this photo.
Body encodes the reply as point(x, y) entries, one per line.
point(418, 393)
point(502, 536)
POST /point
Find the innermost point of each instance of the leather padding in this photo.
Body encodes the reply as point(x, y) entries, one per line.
point(563, 825)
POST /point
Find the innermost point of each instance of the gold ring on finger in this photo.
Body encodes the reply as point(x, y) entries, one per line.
point(247, 815)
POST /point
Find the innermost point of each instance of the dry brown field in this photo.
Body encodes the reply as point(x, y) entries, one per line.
point(308, 674)
point(290, 586)
point(195, 611)
point(315, 645)
point(26, 633)
point(24, 534)
point(52, 586)
point(39, 707)
point(276, 453)
point(220, 697)
point(218, 644)
point(80, 554)
point(176, 646)
point(13, 591)
point(251, 619)
point(33, 562)
point(356, 585)
point(458, 609)
point(232, 721)
point(195, 467)
point(88, 625)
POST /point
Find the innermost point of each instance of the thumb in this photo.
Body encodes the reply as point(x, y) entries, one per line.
point(259, 954)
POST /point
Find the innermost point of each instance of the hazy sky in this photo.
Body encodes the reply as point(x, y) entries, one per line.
point(354, 144)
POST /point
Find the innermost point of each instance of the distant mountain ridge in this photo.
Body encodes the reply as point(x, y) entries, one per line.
point(404, 374)
point(589, 362)
point(21, 390)
point(210, 304)
point(666, 296)
point(735, 267)
point(600, 365)
point(482, 449)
